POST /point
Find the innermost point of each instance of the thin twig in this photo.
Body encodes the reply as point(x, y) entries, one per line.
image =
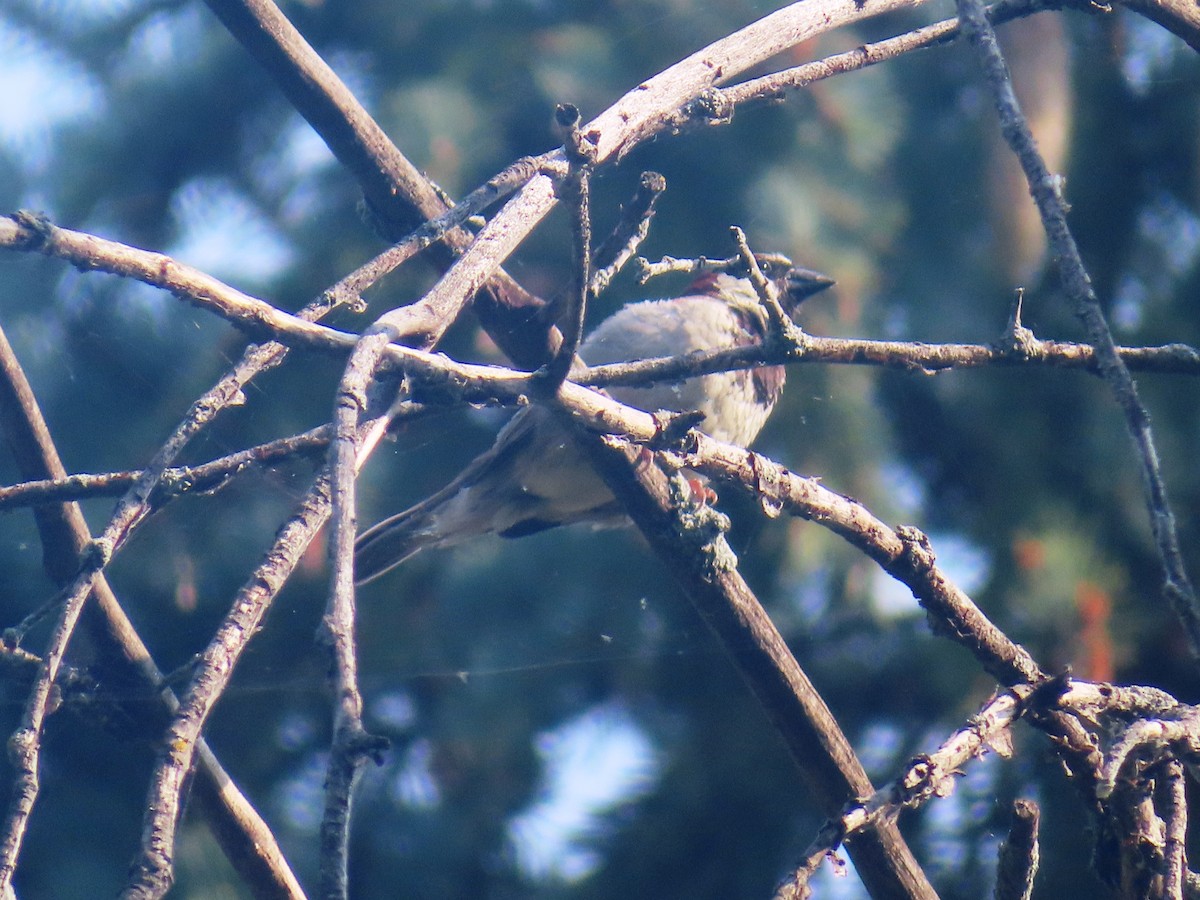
point(176, 480)
point(783, 332)
point(627, 235)
point(777, 85)
point(30, 232)
point(1047, 193)
point(350, 289)
point(24, 746)
point(131, 509)
point(575, 190)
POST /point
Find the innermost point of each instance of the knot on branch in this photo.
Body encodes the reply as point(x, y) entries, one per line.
point(1048, 694)
point(36, 229)
point(97, 554)
point(924, 778)
point(1017, 340)
point(768, 478)
point(360, 745)
point(21, 744)
point(917, 552)
point(581, 149)
point(675, 431)
point(711, 108)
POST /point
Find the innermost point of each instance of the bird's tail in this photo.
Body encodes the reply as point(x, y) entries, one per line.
point(448, 517)
point(471, 505)
point(533, 478)
point(382, 547)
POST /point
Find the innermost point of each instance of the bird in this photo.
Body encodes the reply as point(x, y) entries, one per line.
point(535, 476)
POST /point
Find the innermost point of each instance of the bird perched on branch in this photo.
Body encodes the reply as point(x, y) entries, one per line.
point(535, 476)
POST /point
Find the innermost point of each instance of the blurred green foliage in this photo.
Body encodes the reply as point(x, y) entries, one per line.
point(562, 723)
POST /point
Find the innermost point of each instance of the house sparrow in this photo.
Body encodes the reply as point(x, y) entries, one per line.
point(536, 477)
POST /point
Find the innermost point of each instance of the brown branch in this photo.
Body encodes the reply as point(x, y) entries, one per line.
point(398, 195)
point(909, 356)
point(1146, 802)
point(352, 746)
point(1177, 732)
point(783, 331)
point(627, 235)
point(1180, 17)
point(423, 322)
point(258, 317)
point(245, 837)
point(350, 288)
point(176, 480)
point(1047, 194)
point(132, 508)
point(777, 85)
point(926, 777)
point(904, 553)
point(645, 111)
point(575, 189)
point(689, 541)
point(1175, 816)
point(30, 232)
point(1140, 838)
point(151, 874)
point(1019, 855)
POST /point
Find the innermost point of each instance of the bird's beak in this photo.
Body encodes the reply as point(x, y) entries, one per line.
point(800, 284)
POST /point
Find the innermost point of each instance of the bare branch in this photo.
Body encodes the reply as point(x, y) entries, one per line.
point(1180, 17)
point(783, 330)
point(349, 289)
point(259, 317)
point(628, 233)
point(397, 194)
point(176, 480)
point(777, 85)
point(903, 553)
point(1175, 815)
point(926, 777)
point(645, 111)
point(245, 837)
point(690, 542)
point(575, 189)
point(1047, 193)
point(29, 232)
point(1019, 854)
point(151, 873)
point(352, 745)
